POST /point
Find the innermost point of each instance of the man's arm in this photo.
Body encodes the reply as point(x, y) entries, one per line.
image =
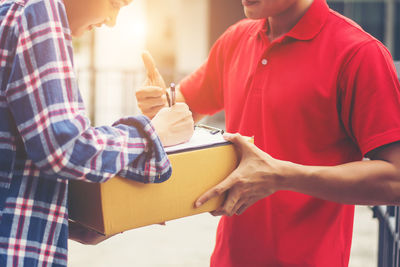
point(370, 182)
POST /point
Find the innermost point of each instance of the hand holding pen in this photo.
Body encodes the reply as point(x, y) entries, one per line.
point(152, 96)
point(172, 121)
point(176, 121)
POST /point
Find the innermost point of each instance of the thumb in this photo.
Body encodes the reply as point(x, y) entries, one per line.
point(152, 72)
point(238, 140)
point(149, 65)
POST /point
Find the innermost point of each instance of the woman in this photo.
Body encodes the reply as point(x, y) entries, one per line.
point(45, 136)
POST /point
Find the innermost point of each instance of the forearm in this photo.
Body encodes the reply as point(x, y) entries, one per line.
point(373, 182)
point(130, 149)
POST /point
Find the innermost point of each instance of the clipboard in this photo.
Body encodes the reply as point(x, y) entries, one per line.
point(204, 136)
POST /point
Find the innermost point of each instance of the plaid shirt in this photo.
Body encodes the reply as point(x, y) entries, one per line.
point(46, 138)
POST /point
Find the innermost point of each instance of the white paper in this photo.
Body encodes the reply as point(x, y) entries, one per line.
point(201, 138)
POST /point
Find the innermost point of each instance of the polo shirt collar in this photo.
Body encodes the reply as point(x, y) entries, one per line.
point(312, 21)
point(308, 26)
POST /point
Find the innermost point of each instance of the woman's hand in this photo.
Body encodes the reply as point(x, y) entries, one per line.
point(174, 125)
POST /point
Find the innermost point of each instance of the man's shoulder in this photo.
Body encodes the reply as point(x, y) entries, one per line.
point(346, 30)
point(7, 3)
point(36, 9)
point(41, 5)
point(28, 4)
point(43, 13)
point(10, 8)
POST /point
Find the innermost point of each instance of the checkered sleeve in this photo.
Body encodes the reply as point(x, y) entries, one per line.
point(46, 106)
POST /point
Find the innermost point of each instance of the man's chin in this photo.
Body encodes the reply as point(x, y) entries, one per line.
point(251, 14)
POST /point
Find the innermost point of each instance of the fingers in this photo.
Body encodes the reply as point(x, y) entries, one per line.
point(243, 147)
point(151, 112)
point(181, 107)
point(153, 75)
point(151, 103)
point(149, 65)
point(229, 206)
point(151, 99)
point(183, 124)
point(174, 125)
point(232, 203)
point(243, 208)
point(235, 204)
point(216, 191)
point(236, 139)
point(179, 112)
point(149, 91)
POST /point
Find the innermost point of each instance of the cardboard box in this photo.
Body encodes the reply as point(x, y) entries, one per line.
point(121, 204)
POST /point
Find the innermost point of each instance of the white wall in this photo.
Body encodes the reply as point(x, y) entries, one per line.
point(118, 52)
point(192, 35)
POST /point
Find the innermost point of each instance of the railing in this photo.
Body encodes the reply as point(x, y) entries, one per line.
point(389, 224)
point(389, 241)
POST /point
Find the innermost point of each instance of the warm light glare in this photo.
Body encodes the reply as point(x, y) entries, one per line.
point(121, 45)
point(139, 29)
point(131, 24)
point(131, 29)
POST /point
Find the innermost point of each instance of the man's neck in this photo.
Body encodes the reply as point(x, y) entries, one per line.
point(285, 21)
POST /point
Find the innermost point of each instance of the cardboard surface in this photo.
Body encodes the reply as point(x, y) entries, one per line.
point(121, 204)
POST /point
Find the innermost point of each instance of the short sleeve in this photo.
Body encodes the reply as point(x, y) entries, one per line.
point(203, 89)
point(370, 97)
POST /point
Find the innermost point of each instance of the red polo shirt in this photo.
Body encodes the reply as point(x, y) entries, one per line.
point(326, 93)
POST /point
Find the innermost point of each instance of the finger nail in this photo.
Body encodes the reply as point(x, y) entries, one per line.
point(198, 204)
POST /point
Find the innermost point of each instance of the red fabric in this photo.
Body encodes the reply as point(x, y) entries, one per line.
point(327, 95)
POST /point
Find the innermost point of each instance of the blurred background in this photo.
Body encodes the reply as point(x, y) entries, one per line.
point(179, 34)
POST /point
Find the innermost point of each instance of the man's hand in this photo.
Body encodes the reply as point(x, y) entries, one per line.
point(174, 125)
point(151, 96)
point(255, 178)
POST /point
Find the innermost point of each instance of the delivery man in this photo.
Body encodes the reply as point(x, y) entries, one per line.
point(318, 94)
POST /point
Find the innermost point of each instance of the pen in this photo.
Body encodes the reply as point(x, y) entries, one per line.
point(168, 98)
point(173, 96)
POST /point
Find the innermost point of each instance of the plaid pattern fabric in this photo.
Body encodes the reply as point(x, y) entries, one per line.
point(46, 138)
